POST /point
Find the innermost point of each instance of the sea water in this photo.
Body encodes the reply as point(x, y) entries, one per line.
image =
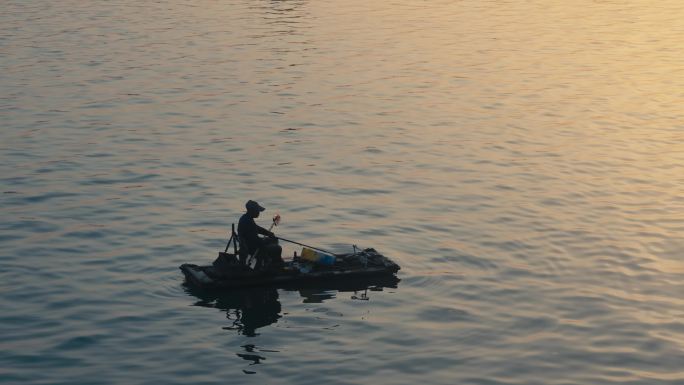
point(522, 161)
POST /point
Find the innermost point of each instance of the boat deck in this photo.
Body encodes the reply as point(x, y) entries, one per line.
point(219, 275)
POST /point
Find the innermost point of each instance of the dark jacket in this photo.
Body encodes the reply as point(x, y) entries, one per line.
point(248, 231)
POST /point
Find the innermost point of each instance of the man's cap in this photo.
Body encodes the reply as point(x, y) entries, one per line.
point(253, 206)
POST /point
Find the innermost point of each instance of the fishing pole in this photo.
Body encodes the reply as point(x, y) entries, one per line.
point(276, 221)
point(309, 246)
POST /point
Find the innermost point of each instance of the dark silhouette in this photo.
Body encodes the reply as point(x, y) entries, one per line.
point(249, 309)
point(265, 250)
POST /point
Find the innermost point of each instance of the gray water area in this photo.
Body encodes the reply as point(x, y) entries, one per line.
point(522, 161)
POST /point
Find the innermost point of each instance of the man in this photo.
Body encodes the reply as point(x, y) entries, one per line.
point(267, 249)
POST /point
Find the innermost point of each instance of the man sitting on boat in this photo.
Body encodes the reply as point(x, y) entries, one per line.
point(266, 250)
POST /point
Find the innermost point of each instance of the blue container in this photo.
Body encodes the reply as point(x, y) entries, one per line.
point(326, 259)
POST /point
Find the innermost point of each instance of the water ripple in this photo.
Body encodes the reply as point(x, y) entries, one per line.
point(520, 160)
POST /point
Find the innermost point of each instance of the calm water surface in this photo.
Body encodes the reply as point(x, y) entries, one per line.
point(522, 161)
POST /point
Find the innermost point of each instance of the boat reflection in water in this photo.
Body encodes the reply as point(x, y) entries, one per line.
point(249, 309)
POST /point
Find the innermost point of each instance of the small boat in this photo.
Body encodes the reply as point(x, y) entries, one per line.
point(227, 272)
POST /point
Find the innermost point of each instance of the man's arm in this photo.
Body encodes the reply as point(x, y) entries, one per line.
point(263, 231)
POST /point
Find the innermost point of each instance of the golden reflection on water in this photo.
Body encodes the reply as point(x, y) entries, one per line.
point(579, 66)
point(520, 159)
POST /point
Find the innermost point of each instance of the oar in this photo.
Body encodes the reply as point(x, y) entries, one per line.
point(309, 246)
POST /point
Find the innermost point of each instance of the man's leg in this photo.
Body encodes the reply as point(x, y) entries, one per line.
point(273, 252)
